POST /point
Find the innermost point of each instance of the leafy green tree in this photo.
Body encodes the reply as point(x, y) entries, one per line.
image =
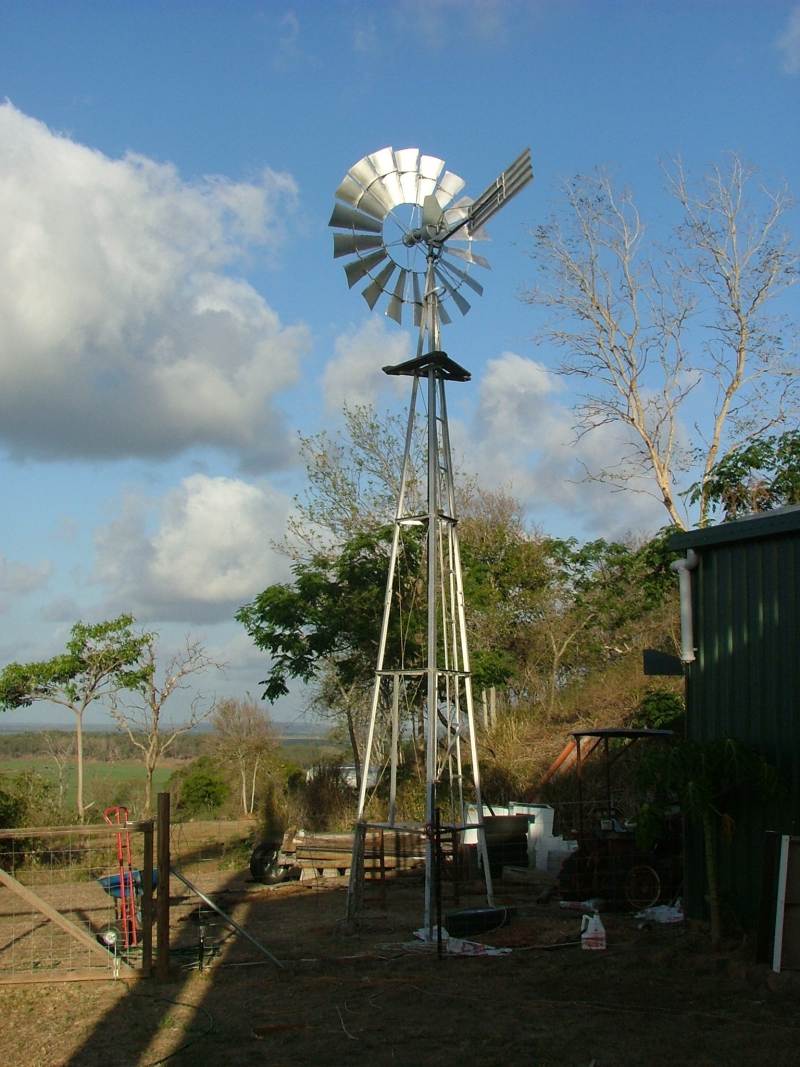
point(599, 601)
point(506, 574)
point(12, 809)
point(100, 659)
point(327, 621)
point(759, 476)
point(202, 787)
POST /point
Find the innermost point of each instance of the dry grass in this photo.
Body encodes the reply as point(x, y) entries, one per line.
point(655, 997)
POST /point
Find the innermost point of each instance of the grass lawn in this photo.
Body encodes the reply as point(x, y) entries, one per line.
point(105, 783)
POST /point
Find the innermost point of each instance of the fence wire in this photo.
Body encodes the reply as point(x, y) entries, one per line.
point(57, 903)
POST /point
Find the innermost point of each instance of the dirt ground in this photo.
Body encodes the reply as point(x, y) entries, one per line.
point(655, 996)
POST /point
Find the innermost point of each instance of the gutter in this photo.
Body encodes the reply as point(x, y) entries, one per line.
point(683, 568)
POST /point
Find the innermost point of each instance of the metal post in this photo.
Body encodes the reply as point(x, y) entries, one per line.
point(445, 663)
point(387, 602)
point(147, 900)
point(162, 900)
point(437, 832)
point(465, 664)
point(579, 776)
point(431, 768)
point(394, 750)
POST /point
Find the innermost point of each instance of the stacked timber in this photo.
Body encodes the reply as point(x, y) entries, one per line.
point(330, 854)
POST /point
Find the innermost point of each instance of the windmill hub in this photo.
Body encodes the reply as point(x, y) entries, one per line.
point(398, 217)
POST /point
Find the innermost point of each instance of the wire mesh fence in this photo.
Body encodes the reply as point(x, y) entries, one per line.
point(211, 853)
point(74, 904)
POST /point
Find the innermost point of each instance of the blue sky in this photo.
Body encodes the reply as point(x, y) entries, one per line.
point(166, 177)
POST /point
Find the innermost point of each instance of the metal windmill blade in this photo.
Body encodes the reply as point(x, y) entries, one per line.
point(397, 212)
point(390, 207)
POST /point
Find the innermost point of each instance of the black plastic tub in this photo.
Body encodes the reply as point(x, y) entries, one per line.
point(506, 841)
point(476, 921)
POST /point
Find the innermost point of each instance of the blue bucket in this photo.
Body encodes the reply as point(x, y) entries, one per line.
point(111, 883)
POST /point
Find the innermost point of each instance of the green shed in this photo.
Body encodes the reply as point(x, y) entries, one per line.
point(741, 650)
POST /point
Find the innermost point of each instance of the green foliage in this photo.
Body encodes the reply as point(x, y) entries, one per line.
point(505, 578)
point(322, 799)
point(660, 709)
point(492, 666)
point(29, 799)
point(708, 779)
point(38, 796)
point(759, 476)
point(97, 655)
point(609, 581)
point(705, 776)
point(12, 810)
point(111, 747)
point(202, 788)
point(332, 612)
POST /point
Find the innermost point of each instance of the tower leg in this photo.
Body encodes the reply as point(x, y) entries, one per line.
point(445, 669)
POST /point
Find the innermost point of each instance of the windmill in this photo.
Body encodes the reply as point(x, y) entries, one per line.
point(408, 235)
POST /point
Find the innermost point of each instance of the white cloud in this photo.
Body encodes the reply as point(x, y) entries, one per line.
point(354, 375)
point(366, 38)
point(195, 555)
point(122, 333)
point(17, 579)
point(437, 23)
point(62, 609)
point(789, 43)
point(523, 439)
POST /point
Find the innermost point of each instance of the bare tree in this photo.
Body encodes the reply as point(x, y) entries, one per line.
point(245, 739)
point(353, 477)
point(644, 333)
point(61, 750)
point(141, 718)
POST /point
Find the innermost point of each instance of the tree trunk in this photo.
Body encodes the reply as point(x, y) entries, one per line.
point(148, 788)
point(712, 878)
point(351, 730)
point(79, 758)
point(243, 772)
point(253, 785)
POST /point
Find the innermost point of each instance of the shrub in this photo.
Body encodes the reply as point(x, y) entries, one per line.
point(659, 709)
point(201, 788)
point(11, 809)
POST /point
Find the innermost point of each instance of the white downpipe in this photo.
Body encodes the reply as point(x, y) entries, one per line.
point(683, 568)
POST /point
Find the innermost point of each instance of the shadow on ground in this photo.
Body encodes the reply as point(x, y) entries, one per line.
point(656, 996)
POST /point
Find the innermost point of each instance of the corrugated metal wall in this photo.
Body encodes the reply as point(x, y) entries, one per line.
point(745, 682)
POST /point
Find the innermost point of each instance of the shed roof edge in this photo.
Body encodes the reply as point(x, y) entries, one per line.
point(752, 528)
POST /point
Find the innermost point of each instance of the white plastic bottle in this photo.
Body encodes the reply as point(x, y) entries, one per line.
point(593, 933)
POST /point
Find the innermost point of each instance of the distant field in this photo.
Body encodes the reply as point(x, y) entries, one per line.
point(306, 752)
point(100, 779)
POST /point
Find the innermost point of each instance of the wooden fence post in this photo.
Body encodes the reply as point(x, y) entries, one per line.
point(162, 900)
point(147, 901)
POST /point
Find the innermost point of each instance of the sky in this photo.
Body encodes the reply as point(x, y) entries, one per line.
point(171, 315)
